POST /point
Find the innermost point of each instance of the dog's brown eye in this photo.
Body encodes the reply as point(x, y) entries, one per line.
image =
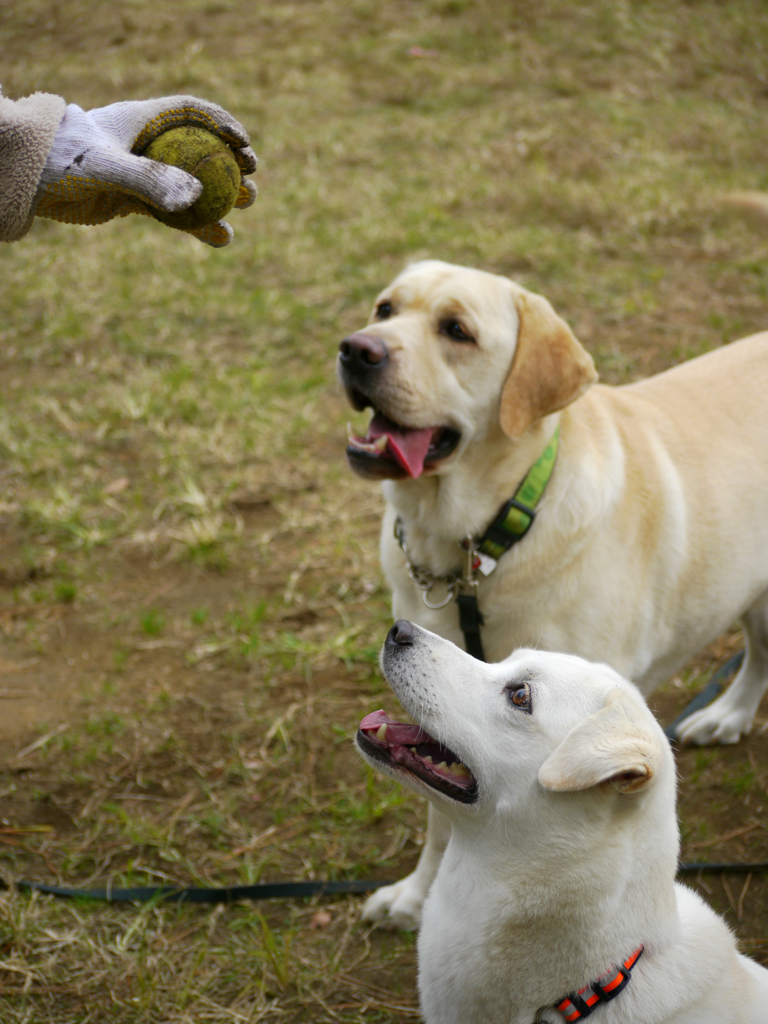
point(384, 310)
point(520, 696)
point(455, 331)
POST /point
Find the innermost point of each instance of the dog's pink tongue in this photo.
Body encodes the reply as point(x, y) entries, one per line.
point(408, 447)
point(399, 733)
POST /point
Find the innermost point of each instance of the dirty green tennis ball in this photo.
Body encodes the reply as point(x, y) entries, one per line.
point(211, 161)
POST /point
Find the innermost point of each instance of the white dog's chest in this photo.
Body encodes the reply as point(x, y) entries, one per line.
point(456, 985)
point(470, 971)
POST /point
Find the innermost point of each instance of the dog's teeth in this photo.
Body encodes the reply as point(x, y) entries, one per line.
point(377, 447)
point(460, 769)
point(381, 733)
point(428, 758)
point(443, 765)
point(413, 750)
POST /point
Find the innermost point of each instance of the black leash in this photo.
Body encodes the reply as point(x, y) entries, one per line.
point(285, 890)
point(509, 527)
point(693, 868)
point(230, 894)
point(511, 523)
point(470, 621)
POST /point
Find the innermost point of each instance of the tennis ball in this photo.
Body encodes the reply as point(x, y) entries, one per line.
point(211, 161)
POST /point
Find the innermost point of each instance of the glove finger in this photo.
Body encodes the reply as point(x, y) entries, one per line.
point(161, 185)
point(217, 235)
point(246, 195)
point(188, 110)
point(247, 160)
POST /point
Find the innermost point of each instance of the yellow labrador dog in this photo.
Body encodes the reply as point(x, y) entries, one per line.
point(650, 535)
point(556, 895)
point(752, 205)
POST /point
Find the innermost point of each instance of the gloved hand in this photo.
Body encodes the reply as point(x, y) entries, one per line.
point(94, 172)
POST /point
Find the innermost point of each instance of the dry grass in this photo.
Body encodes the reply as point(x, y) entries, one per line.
point(191, 602)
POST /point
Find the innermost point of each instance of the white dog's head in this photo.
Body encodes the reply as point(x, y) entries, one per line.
point(451, 355)
point(541, 743)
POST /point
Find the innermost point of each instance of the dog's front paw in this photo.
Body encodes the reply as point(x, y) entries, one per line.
point(398, 906)
point(715, 724)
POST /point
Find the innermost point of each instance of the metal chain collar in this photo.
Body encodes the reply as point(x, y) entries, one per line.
point(463, 579)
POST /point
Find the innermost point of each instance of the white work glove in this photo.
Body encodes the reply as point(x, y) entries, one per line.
point(94, 172)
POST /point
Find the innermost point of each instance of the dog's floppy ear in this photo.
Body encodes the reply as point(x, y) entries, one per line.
point(550, 368)
point(615, 745)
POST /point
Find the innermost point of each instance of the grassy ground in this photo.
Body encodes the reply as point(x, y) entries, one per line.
point(190, 601)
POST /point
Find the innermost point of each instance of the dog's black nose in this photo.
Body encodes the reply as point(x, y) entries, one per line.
point(362, 352)
point(402, 633)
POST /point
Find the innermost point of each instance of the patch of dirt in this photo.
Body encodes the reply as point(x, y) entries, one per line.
point(55, 659)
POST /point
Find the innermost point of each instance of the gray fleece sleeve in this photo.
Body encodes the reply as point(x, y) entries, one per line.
point(27, 130)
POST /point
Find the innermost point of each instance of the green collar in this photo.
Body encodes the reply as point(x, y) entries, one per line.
point(517, 515)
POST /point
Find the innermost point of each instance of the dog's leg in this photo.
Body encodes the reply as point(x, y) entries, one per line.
point(730, 717)
point(399, 905)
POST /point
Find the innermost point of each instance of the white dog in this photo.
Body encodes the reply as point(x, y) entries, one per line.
point(651, 500)
point(557, 884)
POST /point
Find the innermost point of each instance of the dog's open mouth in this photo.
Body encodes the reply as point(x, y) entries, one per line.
point(415, 751)
point(392, 451)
